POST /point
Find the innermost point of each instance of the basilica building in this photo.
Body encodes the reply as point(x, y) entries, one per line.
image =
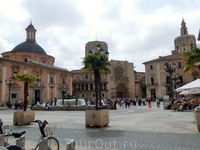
point(158, 80)
point(30, 58)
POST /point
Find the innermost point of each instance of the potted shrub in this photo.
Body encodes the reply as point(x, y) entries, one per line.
point(98, 64)
point(24, 117)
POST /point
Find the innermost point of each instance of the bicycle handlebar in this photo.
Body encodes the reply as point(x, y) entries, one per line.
point(41, 126)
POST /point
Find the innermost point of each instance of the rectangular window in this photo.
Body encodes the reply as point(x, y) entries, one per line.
point(168, 89)
point(179, 64)
point(151, 66)
point(86, 87)
point(91, 86)
point(152, 81)
point(181, 79)
point(167, 79)
point(82, 87)
point(93, 95)
point(82, 95)
point(105, 87)
point(39, 78)
point(13, 95)
point(135, 78)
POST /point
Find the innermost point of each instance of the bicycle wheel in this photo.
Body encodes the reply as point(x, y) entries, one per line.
point(53, 143)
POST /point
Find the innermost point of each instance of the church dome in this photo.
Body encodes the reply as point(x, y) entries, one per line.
point(29, 46)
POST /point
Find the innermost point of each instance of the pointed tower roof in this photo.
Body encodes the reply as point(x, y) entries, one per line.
point(183, 28)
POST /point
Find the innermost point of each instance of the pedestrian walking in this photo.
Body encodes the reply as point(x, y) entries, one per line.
point(158, 102)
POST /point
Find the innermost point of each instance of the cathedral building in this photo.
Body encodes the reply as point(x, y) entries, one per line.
point(157, 79)
point(30, 58)
point(122, 82)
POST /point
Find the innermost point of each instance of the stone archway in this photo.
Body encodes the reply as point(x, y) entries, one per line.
point(122, 91)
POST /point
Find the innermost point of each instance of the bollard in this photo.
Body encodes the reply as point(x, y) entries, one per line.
point(1, 139)
point(21, 142)
point(43, 144)
point(71, 144)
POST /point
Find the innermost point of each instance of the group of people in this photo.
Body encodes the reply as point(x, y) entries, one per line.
point(126, 102)
point(183, 103)
point(18, 105)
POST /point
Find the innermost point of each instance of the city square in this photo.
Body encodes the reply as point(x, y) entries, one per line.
point(137, 127)
point(72, 63)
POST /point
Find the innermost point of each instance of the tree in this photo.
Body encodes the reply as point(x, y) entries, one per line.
point(190, 58)
point(27, 79)
point(98, 64)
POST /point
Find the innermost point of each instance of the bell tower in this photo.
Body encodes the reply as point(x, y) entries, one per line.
point(183, 28)
point(184, 41)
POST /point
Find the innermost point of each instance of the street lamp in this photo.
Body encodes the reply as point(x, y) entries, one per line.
point(176, 80)
point(10, 82)
point(170, 68)
point(100, 51)
point(51, 85)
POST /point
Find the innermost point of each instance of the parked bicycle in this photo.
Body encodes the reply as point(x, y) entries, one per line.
point(7, 135)
point(46, 133)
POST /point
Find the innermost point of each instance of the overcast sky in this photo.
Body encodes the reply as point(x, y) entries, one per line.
point(135, 30)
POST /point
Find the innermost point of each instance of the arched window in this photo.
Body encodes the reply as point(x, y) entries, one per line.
point(25, 60)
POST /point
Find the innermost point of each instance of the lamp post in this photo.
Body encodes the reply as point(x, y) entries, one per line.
point(76, 89)
point(100, 50)
point(176, 80)
point(51, 85)
point(10, 82)
point(170, 68)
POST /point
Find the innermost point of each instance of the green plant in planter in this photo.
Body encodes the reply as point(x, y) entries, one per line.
point(27, 79)
point(98, 64)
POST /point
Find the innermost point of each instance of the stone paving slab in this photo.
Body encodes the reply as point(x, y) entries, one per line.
point(135, 128)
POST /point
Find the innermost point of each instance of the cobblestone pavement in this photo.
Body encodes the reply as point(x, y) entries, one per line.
point(135, 128)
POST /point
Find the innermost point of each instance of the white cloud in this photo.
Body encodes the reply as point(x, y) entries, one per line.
point(136, 31)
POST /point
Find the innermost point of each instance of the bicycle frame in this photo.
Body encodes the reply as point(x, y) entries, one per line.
point(43, 136)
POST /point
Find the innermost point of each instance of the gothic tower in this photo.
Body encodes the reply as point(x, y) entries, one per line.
point(184, 41)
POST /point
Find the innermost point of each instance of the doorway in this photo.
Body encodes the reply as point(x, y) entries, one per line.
point(37, 95)
point(153, 94)
point(63, 94)
point(120, 94)
point(122, 91)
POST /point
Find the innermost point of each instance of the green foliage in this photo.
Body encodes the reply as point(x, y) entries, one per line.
point(190, 58)
point(26, 78)
point(98, 64)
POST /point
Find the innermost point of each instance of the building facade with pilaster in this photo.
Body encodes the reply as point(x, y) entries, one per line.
point(30, 58)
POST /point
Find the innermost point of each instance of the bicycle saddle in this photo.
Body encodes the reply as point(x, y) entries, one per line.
point(18, 134)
